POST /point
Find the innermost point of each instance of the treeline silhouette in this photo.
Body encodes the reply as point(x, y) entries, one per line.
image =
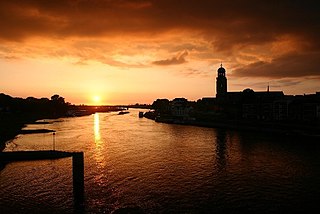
point(16, 112)
point(54, 107)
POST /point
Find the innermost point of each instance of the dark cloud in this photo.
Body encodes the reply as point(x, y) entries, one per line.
point(240, 22)
point(228, 26)
point(179, 59)
point(290, 65)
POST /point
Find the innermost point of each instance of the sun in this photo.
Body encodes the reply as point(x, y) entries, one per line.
point(96, 99)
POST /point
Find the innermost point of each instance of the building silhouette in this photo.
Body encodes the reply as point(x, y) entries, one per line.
point(265, 105)
point(246, 109)
point(221, 83)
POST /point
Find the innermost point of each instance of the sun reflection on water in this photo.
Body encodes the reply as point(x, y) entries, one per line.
point(99, 154)
point(97, 136)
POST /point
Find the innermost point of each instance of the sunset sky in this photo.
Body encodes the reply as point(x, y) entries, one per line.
point(126, 51)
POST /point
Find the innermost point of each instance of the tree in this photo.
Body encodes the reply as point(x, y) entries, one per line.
point(58, 104)
point(57, 99)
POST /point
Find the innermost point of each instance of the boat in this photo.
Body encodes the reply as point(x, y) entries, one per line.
point(141, 114)
point(123, 112)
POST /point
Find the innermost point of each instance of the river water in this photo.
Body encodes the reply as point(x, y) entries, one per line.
point(162, 168)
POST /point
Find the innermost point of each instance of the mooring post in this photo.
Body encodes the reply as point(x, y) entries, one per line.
point(78, 178)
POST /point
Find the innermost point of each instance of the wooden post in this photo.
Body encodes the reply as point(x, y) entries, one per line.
point(54, 141)
point(78, 179)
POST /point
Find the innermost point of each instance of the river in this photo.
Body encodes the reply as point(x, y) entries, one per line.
point(162, 168)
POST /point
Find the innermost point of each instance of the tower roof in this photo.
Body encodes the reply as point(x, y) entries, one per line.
point(221, 69)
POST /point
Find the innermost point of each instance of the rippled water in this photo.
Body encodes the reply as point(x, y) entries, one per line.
point(162, 168)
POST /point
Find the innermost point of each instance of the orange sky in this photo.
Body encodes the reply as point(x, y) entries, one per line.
point(127, 52)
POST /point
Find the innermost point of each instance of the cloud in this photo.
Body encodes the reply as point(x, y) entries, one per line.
point(227, 23)
point(179, 59)
point(289, 65)
point(277, 83)
point(189, 72)
point(287, 82)
point(242, 32)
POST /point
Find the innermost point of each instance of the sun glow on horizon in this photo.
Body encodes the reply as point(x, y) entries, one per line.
point(96, 99)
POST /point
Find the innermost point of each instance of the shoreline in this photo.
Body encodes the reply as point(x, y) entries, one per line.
point(273, 128)
point(11, 126)
point(284, 129)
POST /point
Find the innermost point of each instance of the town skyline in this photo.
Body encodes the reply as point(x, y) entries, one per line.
point(125, 52)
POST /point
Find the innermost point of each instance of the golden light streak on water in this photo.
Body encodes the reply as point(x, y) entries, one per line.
point(96, 128)
point(99, 156)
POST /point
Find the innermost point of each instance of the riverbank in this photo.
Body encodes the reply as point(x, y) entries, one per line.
point(12, 124)
point(292, 129)
point(285, 129)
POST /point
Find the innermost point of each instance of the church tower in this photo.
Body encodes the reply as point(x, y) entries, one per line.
point(221, 83)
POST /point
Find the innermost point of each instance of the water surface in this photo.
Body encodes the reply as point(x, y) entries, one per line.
point(162, 168)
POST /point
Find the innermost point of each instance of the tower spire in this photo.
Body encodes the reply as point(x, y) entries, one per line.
point(268, 89)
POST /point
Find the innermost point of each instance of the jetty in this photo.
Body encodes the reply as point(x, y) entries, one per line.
point(77, 166)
